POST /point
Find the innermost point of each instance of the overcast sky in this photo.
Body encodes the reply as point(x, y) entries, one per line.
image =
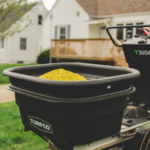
point(48, 3)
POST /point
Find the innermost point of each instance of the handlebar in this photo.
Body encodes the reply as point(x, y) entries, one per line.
point(116, 27)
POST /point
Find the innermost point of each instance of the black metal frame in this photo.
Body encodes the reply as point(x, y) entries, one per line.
point(115, 27)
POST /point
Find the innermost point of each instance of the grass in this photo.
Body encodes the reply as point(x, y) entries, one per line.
point(12, 135)
point(4, 79)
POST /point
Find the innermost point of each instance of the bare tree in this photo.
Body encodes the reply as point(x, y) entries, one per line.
point(12, 16)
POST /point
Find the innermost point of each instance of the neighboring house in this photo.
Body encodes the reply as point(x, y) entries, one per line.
point(24, 47)
point(77, 19)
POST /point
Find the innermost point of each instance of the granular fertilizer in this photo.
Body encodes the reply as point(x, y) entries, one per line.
point(62, 75)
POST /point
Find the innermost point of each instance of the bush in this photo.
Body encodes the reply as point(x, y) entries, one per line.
point(43, 57)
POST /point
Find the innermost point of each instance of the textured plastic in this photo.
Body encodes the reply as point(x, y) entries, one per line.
point(77, 121)
point(101, 79)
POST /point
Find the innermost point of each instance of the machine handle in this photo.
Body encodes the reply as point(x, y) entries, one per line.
point(116, 27)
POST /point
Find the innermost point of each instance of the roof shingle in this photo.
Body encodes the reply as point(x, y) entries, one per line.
point(113, 7)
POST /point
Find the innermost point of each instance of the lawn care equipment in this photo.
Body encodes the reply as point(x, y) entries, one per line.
point(137, 53)
point(87, 115)
point(73, 112)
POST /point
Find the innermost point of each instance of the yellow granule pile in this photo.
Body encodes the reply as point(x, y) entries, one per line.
point(62, 75)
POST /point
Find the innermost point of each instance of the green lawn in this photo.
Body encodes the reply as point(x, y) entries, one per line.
point(12, 135)
point(3, 79)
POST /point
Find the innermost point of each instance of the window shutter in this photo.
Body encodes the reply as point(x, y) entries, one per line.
point(55, 32)
point(69, 27)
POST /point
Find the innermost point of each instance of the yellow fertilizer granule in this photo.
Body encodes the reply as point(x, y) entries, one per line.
point(62, 75)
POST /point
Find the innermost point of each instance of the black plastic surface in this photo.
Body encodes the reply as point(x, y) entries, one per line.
point(101, 79)
point(75, 122)
point(136, 53)
point(138, 57)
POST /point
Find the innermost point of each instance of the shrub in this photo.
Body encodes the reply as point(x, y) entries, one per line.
point(43, 57)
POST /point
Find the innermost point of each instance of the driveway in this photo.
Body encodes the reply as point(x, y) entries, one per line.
point(5, 95)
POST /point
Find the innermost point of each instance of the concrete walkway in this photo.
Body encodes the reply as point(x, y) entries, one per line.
point(6, 95)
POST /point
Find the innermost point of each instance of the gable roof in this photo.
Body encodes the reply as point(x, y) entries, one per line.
point(50, 10)
point(114, 7)
point(14, 15)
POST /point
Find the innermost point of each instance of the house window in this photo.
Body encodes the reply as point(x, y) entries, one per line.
point(120, 32)
point(78, 13)
point(137, 29)
point(62, 32)
point(131, 29)
point(1, 42)
point(23, 43)
point(40, 19)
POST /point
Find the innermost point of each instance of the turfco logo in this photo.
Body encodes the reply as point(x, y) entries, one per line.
point(142, 52)
point(40, 124)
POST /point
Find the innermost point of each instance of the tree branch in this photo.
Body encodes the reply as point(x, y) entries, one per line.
point(11, 17)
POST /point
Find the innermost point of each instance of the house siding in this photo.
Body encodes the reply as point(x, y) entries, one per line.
point(32, 34)
point(132, 18)
point(65, 14)
point(94, 31)
point(46, 33)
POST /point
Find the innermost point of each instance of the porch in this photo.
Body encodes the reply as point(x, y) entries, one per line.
point(93, 49)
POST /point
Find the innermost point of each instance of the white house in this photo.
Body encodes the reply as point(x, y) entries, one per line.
point(24, 47)
point(77, 19)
